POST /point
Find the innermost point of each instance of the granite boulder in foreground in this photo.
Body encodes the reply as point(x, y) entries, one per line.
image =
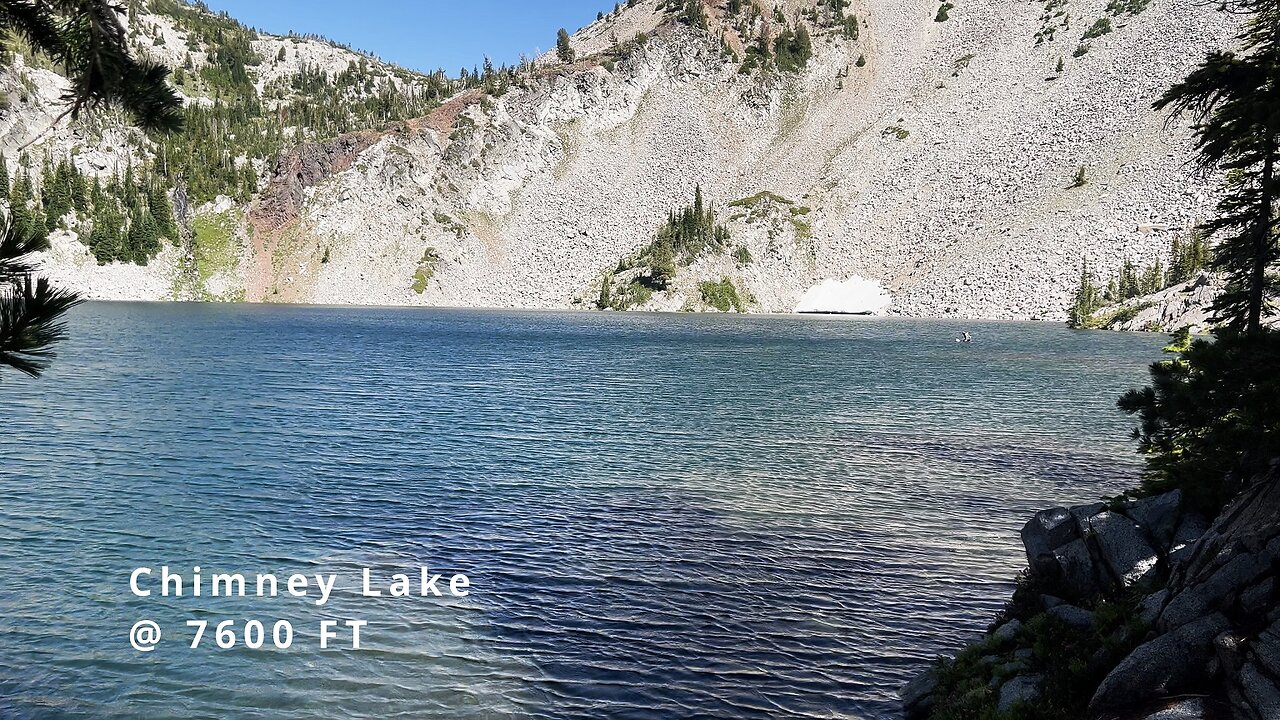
point(1136, 611)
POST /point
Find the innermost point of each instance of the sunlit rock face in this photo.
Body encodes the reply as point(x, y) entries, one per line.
point(852, 296)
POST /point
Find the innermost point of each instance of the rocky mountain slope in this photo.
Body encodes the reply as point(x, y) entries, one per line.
point(934, 154)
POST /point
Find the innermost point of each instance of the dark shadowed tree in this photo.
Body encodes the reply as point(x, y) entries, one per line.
point(1210, 420)
point(1235, 101)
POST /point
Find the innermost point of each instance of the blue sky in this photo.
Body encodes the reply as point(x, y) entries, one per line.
point(424, 34)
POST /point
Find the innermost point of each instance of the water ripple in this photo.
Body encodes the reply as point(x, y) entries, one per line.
point(662, 516)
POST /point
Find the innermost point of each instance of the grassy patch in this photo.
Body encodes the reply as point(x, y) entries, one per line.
point(759, 198)
point(458, 229)
point(1127, 7)
point(216, 248)
point(895, 131)
point(426, 270)
point(1106, 318)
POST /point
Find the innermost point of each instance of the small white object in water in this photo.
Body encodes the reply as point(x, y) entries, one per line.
point(854, 296)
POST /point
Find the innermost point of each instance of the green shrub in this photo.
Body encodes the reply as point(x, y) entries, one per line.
point(793, 48)
point(1072, 662)
point(1127, 7)
point(722, 295)
point(1081, 178)
point(849, 28)
point(944, 12)
point(760, 197)
point(1099, 28)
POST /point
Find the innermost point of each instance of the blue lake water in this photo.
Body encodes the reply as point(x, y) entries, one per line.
point(662, 516)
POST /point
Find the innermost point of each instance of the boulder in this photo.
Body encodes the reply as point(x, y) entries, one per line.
point(1266, 649)
point(1008, 631)
point(1161, 667)
point(1051, 601)
point(1082, 513)
point(1229, 651)
point(1191, 528)
point(1046, 531)
point(1021, 689)
point(1259, 598)
point(917, 695)
point(1072, 616)
point(1124, 548)
point(1217, 591)
point(1076, 571)
point(1192, 709)
point(1151, 606)
point(1255, 692)
point(1158, 516)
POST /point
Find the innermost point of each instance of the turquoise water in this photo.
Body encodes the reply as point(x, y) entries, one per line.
point(661, 516)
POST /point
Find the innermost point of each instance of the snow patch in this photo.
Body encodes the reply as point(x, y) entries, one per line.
point(854, 296)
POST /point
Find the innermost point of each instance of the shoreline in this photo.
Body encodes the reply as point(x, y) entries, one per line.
point(583, 311)
point(1144, 609)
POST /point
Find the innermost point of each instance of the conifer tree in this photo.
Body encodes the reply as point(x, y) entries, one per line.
point(161, 210)
point(22, 216)
point(563, 49)
point(1234, 99)
point(1087, 299)
point(57, 196)
point(1208, 420)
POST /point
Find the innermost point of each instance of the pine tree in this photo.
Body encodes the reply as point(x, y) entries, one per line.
point(1129, 285)
point(1235, 102)
point(662, 264)
point(58, 196)
point(1087, 299)
point(563, 49)
point(79, 190)
point(161, 210)
point(1178, 270)
point(4, 176)
point(106, 239)
point(26, 224)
